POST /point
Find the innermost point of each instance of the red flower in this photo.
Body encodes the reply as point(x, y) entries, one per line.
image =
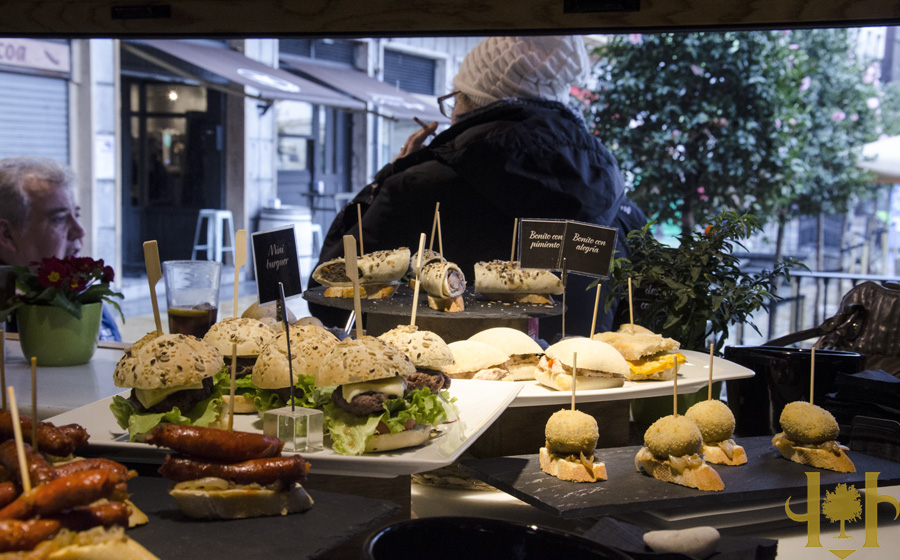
point(108, 274)
point(53, 273)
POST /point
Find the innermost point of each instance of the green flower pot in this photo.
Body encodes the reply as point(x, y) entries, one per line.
point(55, 337)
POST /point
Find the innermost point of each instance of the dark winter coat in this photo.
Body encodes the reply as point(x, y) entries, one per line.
point(511, 159)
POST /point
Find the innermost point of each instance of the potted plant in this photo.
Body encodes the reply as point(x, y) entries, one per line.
point(58, 307)
point(694, 291)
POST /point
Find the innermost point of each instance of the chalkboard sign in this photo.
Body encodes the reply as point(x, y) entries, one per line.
point(586, 248)
point(541, 243)
point(275, 260)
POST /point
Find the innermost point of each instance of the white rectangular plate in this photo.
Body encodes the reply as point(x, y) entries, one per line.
point(479, 404)
point(692, 376)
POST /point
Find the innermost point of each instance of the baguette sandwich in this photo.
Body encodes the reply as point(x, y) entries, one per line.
point(716, 423)
point(650, 356)
point(671, 453)
point(571, 438)
point(808, 438)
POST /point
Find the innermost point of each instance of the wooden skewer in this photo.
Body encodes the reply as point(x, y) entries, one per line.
point(20, 444)
point(596, 305)
point(512, 253)
point(415, 304)
point(3, 362)
point(353, 273)
point(440, 238)
point(233, 377)
point(574, 376)
point(812, 372)
point(437, 206)
point(240, 259)
point(359, 223)
point(630, 307)
point(675, 391)
point(154, 273)
point(34, 414)
point(709, 391)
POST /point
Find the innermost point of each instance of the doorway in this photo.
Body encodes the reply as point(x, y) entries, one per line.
point(172, 165)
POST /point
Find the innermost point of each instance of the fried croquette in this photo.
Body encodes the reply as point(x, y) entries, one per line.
point(714, 418)
point(673, 435)
point(806, 423)
point(570, 432)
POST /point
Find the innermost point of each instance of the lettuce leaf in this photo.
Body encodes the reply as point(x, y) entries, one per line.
point(350, 432)
point(306, 394)
point(203, 413)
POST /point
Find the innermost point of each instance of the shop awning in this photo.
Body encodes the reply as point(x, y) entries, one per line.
point(883, 158)
point(269, 83)
point(392, 101)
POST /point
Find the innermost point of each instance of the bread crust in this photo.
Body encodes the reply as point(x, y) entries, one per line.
point(715, 454)
point(240, 502)
point(407, 438)
point(371, 291)
point(703, 477)
point(563, 381)
point(450, 305)
point(834, 459)
point(361, 359)
point(574, 471)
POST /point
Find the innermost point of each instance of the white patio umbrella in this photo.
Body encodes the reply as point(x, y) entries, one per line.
point(883, 158)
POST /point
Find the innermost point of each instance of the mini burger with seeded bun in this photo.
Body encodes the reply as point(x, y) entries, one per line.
point(250, 336)
point(671, 453)
point(268, 314)
point(371, 407)
point(172, 380)
point(478, 360)
point(524, 352)
point(650, 356)
point(596, 364)
point(808, 437)
point(428, 353)
point(272, 377)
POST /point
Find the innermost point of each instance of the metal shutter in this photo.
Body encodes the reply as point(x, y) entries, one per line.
point(34, 117)
point(334, 50)
point(411, 73)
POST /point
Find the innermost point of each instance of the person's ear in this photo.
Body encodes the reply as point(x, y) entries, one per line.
point(7, 239)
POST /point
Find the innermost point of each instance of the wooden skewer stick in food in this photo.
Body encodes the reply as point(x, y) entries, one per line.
point(359, 223)
point(20, 444)
point(812, 372)
point(675, 391)
point(630, 307)
point(232, 391)
point(415, 304)
point(437, 206)
point(596, 305)
point(240, 259)
point(574, 376)
point(440, 237)
point(709, 389)
point(512, 252)
point(353, 273)
point(3, 363)
point(154, 273)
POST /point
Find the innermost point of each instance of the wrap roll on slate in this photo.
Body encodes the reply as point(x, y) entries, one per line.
point(379, 267)
point(506, 277)
point(443, 279)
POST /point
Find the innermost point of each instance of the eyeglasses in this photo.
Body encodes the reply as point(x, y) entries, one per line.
point(446, 102)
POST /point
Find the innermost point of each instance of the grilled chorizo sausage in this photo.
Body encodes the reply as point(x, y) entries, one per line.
point(214, 444)
point(264, 471)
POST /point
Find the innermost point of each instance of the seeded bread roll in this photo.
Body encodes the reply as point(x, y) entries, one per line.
point(251, 335)
point(167, 360)
point(424, 348)
point(363, 359)
point(309, 345)
point(471, 357)
point(524, 352)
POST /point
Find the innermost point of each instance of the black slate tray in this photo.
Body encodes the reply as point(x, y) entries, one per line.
point(401, 304)
point(766, 475)
point(333, 519)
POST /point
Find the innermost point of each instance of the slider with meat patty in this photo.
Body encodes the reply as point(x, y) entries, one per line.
point(571, 438)
point(524, 352)
point(650, 356)
point(808, 438)
point(250, 336)
point(172, 380)
point(272, 378)
point(671, 453)
point(371, 409)
point(428, 353)
point(596, 364)
point(716, 423)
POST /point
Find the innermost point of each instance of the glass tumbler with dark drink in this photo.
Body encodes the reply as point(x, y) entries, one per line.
point(192, 295)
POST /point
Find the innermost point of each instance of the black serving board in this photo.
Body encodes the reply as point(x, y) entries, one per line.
point(767, 475)
point(476, 307)
point(333, 519)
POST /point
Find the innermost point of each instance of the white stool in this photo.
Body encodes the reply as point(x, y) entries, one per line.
point(215, 233)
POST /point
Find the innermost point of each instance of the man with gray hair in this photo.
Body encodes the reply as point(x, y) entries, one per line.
point(39, 217)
